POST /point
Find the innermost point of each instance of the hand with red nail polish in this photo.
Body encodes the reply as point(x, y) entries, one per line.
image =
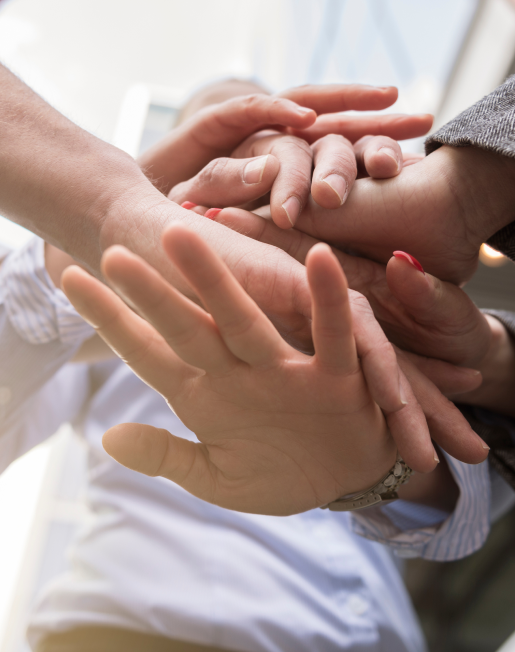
point(212, 213)
point(447, 324)
point(431, 352)
point(411, 260)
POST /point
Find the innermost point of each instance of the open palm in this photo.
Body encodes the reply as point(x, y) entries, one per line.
point(279, 432)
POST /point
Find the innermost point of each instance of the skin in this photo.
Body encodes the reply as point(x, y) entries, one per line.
point(419, 313)
point(280, 432)
point(440, 211)
point(83, 195)
point(331, 152)
point(363, 156)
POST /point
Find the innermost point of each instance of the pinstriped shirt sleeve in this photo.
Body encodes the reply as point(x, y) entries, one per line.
point(417, 531)
point(489, 124)
point(39, 311)
point(39, 333)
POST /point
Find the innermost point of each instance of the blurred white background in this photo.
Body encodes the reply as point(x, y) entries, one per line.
point(120, 68)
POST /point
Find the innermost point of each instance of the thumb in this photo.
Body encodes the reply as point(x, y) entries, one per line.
point(452, 327)
point(156, 452)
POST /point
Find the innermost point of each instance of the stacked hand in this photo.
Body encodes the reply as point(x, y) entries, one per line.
point(280, 432)
point(235, 353)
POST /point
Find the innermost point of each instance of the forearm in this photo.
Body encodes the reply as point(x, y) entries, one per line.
point(55, 178)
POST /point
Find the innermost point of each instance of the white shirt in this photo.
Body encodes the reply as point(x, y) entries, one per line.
point(159, 560)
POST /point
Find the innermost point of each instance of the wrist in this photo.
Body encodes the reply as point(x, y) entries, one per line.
point(484, 183)
point(131, 213)
point(116, 174)
point(498, 371)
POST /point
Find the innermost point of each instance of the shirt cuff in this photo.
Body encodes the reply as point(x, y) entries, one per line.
point(413, 530)
point(38, 311)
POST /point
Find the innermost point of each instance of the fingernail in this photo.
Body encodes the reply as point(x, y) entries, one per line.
point(212, 213)
point(435, 457)
point(253, 172)
point(304, 110)
point(292, 209)
point(410, 259)
point(338, 185)
point(188, 205)
point(389, 152)
point(485, 447)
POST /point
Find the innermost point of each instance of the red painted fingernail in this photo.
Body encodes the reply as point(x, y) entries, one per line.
point(410, 259)
point(188, 205)
point(212, 213)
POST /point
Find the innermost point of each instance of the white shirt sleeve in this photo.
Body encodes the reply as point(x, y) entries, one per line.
point(39, 333)
point(417, 531)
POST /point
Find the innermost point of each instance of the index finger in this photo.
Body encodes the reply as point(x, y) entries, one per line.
point(244, 328)
point(330, 98)
point(354, 127)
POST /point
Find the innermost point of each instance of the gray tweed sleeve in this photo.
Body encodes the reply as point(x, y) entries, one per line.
point(489, 124)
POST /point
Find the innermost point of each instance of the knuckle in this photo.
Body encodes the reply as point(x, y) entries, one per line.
point(363, 141)
point(179, 192)
point(290, 145)
point(253, 105)
point(332, 142)
point(213, 173)
point(361, 303)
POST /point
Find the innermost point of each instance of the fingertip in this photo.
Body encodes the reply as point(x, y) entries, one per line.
point(174, 232)
point(411, 260)
point(112, 257)
point(407, 280)
point(411, 434)
point(137, 446)
point(389, 401)
point(330, 192)
point(308, 116)
point(465, 381)
point(70, 278)
point(429, 119)
point(390, 95)
point(212, 213)
point(384, 163)
point(290, 211)
point(321, 253)
point(71, 272)
point(317, 250)
point(391, 89)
